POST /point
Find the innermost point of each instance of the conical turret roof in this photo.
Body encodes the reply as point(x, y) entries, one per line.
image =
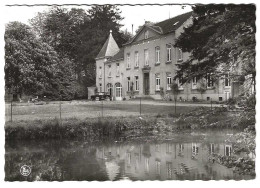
point(110, 48)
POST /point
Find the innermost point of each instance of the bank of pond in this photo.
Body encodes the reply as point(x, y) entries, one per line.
point(94, 129)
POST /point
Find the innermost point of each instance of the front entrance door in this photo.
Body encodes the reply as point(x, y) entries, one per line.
point(146, 84)
point(227, 95)
point(110, 90)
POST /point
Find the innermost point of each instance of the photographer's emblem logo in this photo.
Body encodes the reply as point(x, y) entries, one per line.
point(25, 170)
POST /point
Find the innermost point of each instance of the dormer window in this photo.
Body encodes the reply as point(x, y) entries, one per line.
point(146, 34)
point(175, 23)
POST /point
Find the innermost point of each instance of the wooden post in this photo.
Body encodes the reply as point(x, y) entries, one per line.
point(211, 103)
point(60, 111)
point(140, 106)
point(175, 105)
point(12, 110)
point(102, 107)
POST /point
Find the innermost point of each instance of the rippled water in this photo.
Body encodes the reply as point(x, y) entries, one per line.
point(184, 157)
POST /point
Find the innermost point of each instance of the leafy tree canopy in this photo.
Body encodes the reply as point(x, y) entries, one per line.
point(221, 38)
point(33, 67)
point(79, 34)
point(29, 63)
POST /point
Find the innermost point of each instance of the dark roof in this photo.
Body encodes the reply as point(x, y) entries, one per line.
point(166, 26)
point(109, 48)
point(173, 23)
point(118, 55)
point(102, 52)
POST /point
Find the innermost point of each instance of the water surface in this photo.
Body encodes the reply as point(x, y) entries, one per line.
point(184, 157)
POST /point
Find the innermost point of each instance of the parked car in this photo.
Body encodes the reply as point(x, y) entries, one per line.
point(101, 96)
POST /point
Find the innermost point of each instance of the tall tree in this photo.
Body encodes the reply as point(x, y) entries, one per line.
point(103, 18)
point(80, 34)
point(32, 67)
point(61, 29)
point(29, 63)
point(221, 38)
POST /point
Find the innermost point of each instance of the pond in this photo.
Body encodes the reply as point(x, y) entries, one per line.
point(183, 157)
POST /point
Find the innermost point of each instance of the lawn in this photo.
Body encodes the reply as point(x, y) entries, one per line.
point(87, 109)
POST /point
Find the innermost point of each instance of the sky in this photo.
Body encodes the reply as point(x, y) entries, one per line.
point(135, 15)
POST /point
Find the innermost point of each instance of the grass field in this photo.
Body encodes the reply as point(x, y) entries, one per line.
point(88, 109)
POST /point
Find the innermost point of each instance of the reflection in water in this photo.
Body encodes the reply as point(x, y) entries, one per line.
point(169, 160)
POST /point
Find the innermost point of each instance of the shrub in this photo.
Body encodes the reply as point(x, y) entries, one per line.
point(231, 101)
point(251, 102)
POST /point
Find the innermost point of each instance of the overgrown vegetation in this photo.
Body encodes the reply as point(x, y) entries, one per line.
point(91, 129)
point(204, 118)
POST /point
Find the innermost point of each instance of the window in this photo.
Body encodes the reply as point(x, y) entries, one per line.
point(136, 59)
point(128, 159)
point(146, 167)
point(118, 90)
point(180, 83)
point(146, 57)
point(169, 170)
point(158, 167)
point(157, 81)
point(100, 87)
point(157, 55)
point(194, 83)
point(168, 148)
point(227, 95)
point(212, 148)
point(117, 69)
point(127, 60)
point(83, 73)
point(169, 82)
point(128, 84)
point(227, 80)
point(179, 54)
point(227, 151)
point(100, 72)
point(181, 148)
point(157, 148)
point(136, 162)
point(146, 34)
point(136, 83)
point(195, 149)
point(209, 79)
point(109, 70)
point(109, 88)
point(169, 52)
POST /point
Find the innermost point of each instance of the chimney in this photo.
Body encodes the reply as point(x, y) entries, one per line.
point(148, 23)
